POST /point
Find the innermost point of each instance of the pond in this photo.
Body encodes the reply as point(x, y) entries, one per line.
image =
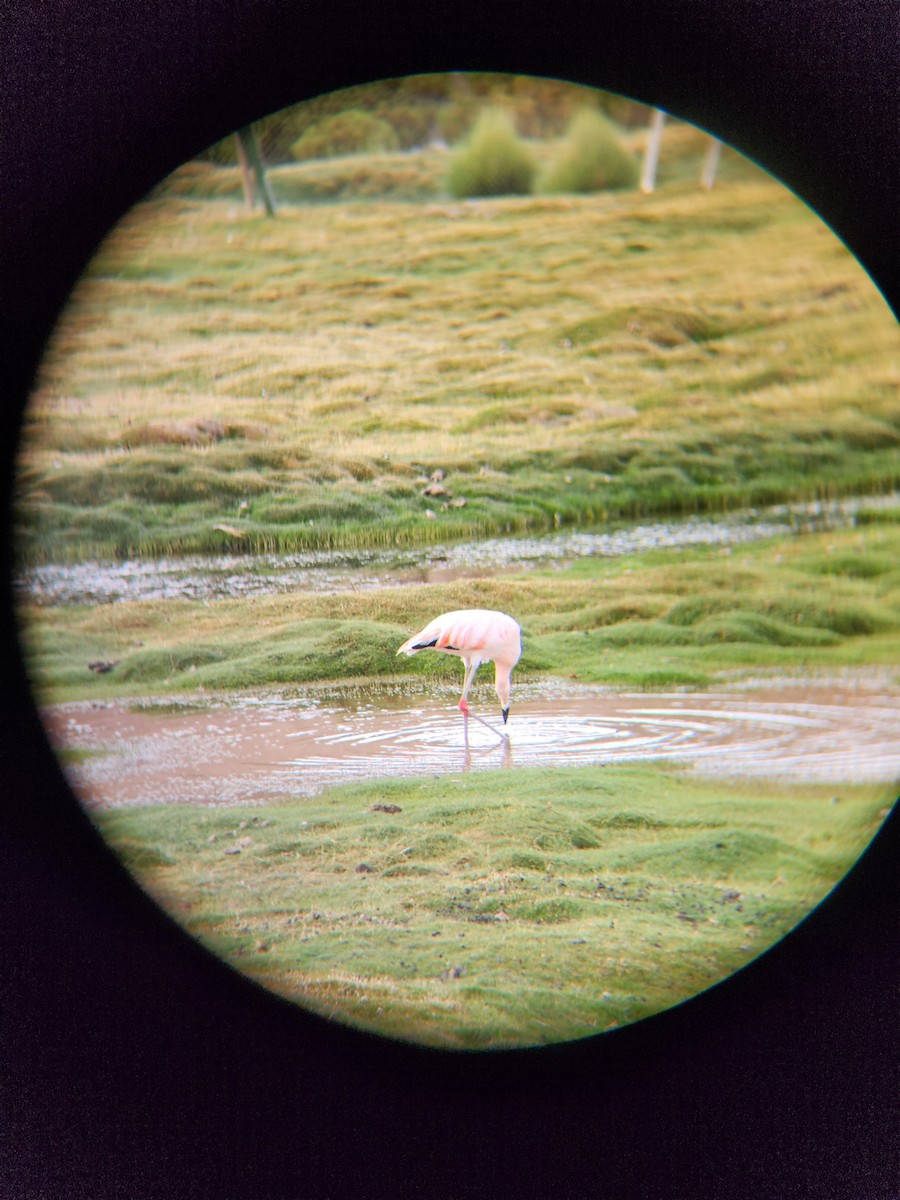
point(247, 750)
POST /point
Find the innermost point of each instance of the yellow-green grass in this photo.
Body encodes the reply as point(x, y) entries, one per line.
point(518, 908)
point(564, 359)
point(689, 617)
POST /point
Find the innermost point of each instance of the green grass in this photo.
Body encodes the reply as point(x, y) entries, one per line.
point(663, 618)
point(566, 360)
point(591, 157)
point(520, 908)
point(493, 161)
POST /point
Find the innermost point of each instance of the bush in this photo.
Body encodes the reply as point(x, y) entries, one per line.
point(591, 158)
point(351, 132)
point(493, 161)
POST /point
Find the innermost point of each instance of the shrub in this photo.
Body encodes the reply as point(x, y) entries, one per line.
point(493, 161)
point(590, 158)
point(351, 132)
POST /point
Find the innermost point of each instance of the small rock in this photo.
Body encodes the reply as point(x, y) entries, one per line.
point(430, 514)
point(364, 869)
point(233, 850)
point(386, 808)
point(438, 474)
point(436, 489)
point(730, 896)
point(102, 668)
point(459, 502)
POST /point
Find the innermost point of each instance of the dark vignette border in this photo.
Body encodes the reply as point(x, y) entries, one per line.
point(135, 1065)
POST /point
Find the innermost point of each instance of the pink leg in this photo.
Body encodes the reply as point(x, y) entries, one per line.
point(471, 668)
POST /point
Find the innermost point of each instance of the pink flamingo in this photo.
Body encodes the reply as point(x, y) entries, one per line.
point(475, 635)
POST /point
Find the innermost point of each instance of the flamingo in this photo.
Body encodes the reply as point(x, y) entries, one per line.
point(475, 635)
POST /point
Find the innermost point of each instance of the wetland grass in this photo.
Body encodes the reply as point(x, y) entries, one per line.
point(221, 381)
point(527, 907)
point(670, 617)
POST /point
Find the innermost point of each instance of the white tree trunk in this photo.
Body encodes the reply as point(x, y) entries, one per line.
point(711, 163)
point(651, 155)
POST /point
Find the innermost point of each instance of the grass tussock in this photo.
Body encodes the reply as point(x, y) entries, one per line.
point(493, 161)
point(527, 908)
point(353, 131)
point(591, 158)
point(666, 618)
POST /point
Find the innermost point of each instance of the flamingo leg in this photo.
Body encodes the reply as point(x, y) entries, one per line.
point(471, 667)
point(504, 737)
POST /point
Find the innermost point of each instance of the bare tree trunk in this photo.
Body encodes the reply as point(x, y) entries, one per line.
point(247, 140)
point(651, 155)
point(246, 176)
point(711, 163)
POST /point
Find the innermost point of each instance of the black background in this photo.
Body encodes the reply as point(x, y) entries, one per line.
point(133, 1064)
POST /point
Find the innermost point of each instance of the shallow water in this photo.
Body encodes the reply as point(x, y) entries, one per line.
point(257, 750)
point(210, 578)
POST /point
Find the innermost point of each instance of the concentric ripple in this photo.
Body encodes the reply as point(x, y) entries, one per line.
point(264, 749)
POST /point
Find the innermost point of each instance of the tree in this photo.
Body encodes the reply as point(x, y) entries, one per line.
point(250, 157)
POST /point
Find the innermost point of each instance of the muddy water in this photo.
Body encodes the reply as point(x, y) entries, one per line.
point(256, 750)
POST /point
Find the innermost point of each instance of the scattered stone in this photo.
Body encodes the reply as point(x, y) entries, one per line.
point(102, 668)
point(731, 896)
point(436, 489)
point(386, 808)
point(459, 502)
point(430, 514)
point(244, 842)
point(233, 850)
point(213, 837)
point(438, 474)
point(364, 869)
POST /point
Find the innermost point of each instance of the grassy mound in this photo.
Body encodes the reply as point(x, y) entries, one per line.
point(519, 909)
point(659, 619)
